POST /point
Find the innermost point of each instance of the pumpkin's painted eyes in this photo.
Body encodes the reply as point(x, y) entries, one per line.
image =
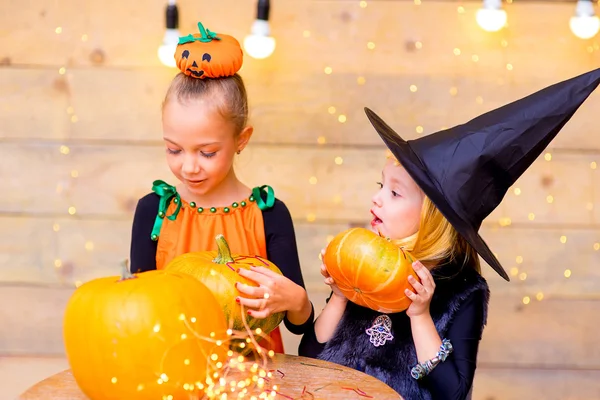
point(206, 57)
point(185, 54)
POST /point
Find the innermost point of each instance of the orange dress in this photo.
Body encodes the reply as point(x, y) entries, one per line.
point(181, 227)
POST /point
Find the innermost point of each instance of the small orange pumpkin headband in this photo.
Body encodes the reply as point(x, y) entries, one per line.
point(206, 55)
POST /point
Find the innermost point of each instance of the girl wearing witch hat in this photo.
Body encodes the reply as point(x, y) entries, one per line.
point(434, 194)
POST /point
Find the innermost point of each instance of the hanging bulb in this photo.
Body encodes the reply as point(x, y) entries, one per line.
point(166, 51)
point(259, 44)
point(491, 17)
point(584, 24)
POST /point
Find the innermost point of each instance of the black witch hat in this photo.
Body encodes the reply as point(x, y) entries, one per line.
point(466, 170)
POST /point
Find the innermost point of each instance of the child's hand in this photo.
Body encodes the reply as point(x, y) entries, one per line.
point(328, 279)
point(421, 297)
point(275, 293)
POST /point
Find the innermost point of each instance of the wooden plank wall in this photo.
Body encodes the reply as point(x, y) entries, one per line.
point(80, 133)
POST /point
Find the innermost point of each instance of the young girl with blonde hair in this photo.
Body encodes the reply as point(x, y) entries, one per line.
point(434, 194)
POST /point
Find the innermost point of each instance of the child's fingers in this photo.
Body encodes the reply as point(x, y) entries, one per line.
point(424, 275)
point(260, 314)
point(254, 275)
point(322, 254)
point(257, 304)
point(253, 291)
point(415, 284)
point(410, 295)
point(328, 281)
point(324, 271)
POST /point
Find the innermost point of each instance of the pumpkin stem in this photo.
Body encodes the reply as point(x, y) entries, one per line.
point(224, 254)
point(206, 34)
point(125, 273)
point(202, 30)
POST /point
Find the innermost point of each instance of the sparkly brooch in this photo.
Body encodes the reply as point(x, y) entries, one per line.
point(381, 331)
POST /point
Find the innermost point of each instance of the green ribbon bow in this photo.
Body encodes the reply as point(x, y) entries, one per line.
point(205, 36)
point(166, 193)
point(262, 204)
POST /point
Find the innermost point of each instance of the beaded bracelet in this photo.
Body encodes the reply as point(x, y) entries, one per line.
point(423, 369)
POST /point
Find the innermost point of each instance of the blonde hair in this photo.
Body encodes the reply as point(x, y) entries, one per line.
point(228, 95)
point(437, 242)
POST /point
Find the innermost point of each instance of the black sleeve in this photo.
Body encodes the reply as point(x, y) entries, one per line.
point(283, 252)
point(453, 378)
point(142, 256)
point(309, 345)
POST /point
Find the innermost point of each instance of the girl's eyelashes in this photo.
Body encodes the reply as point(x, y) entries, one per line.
point(204, 154)
point(394, 194)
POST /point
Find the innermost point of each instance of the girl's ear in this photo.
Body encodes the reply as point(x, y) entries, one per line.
point(244, 138)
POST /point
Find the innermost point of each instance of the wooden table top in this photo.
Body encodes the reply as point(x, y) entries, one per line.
point(297, 378)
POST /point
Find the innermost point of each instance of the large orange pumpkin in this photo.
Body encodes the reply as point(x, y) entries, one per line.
point(208, 55)
point(218, 271)
point(136, 337)
point(370, 270)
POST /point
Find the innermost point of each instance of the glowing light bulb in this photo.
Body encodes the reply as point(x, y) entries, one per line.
point(491, 18)
point(166, 51)
point(259, 44)
point(584, 24)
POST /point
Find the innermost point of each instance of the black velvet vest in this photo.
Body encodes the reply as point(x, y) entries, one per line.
point(392, 362)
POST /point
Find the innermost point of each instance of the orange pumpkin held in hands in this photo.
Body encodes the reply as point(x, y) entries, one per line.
point(370, 270)
point(218, 271)
point(142, 337)
point(208, 55)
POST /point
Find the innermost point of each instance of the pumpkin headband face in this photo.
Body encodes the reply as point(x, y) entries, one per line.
point(208, 55)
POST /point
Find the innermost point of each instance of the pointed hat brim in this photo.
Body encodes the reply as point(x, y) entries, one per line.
point(417, 170)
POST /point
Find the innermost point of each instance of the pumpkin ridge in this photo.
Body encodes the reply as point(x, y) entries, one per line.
point(370, 303)
point(339, 255)
point(355, 295)
point(383, 285)
point(391, 278)
point(359, 267)
point(392, 302)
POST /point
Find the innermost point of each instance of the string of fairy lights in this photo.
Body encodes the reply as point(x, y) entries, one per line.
point(519, 272)
point(66, 185)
